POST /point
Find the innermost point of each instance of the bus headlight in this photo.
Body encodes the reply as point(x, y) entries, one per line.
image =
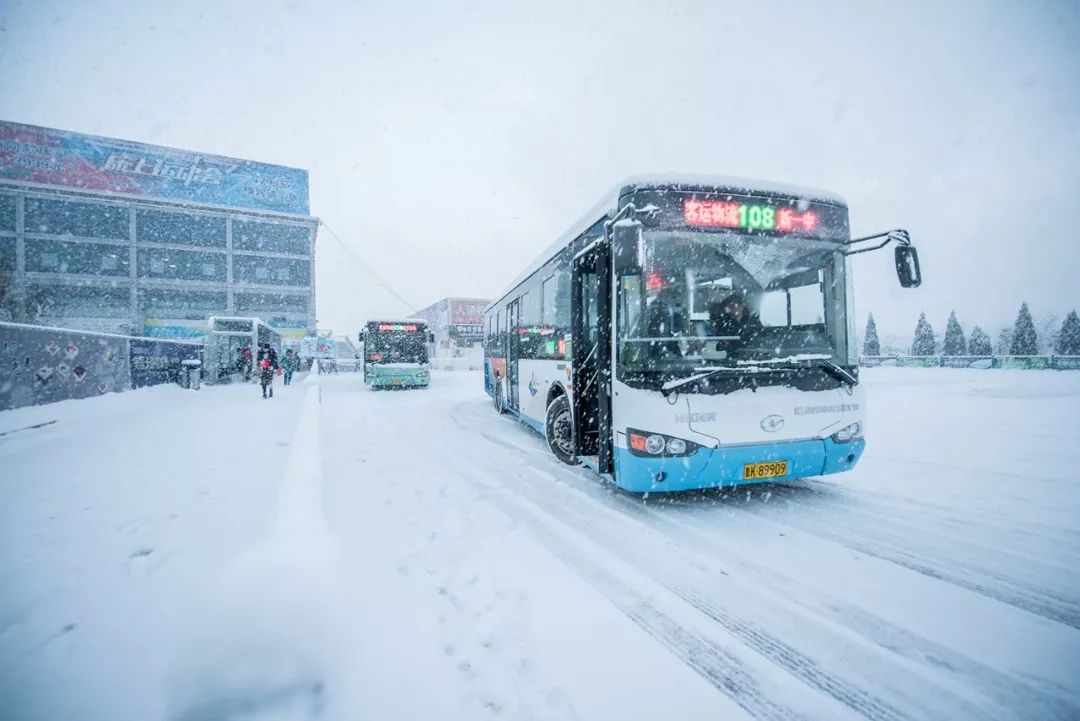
point(657, 444)
point(676, 446)
point(848, 433)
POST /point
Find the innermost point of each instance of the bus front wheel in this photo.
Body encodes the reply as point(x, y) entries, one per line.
point(560, 431)
point(499, 407)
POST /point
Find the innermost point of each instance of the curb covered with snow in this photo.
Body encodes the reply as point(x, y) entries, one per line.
point(268, 627)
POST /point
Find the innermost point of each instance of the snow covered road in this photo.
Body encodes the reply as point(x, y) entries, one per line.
point(459, 571)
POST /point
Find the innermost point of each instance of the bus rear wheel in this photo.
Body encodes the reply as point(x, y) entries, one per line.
point(560, 431)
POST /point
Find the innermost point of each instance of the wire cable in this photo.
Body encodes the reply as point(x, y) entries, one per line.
point(378, 279)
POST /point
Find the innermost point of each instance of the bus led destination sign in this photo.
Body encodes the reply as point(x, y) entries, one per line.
point(749, 216)
point(390, 327)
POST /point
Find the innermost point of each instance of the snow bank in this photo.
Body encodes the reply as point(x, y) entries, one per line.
point(265, 637)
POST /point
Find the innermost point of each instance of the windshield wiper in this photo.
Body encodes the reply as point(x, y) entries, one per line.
point(674, 385)
point(837, 371)
point(831, 367)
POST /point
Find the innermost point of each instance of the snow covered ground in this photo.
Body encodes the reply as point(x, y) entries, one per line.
point(346, 554)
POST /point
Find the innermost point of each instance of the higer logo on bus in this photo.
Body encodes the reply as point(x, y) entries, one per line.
point(695, 417)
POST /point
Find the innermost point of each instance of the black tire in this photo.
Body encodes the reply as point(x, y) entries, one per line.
point(500, 407)
point(559, 430)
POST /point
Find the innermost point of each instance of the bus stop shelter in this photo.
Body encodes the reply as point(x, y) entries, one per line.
point(224, 341)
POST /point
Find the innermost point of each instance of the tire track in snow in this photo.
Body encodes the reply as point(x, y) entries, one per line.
point(1005, 689)
point(776, 651)
point(1001, 688)
point(815, 495)
point(727, 673)
point(894, 548)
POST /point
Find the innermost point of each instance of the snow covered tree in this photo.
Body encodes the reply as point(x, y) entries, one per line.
point(871, 344)
point(980, 342)
point(924, 338)
point(1068, 342)
point(954, 337)
point(1048, 327)
point(1025, 341)
point(1004, 342)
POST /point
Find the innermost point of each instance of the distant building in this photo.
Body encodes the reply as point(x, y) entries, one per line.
point(457, 323)
point(117, 236)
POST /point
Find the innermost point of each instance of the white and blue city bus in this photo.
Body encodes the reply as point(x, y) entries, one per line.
point(396, 353)
point(692, 333)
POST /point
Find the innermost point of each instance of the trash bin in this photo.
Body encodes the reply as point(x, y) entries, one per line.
point(191, 373)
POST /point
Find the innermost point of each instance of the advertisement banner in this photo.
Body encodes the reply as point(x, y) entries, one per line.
point(467, 311)
point(872, 361)
point(1022, 361)
point(33, 154)
point(967, 361)
point(158, 328)
point(156, 362)
point(1066, 362)
point(321, 348)
point(932, 361)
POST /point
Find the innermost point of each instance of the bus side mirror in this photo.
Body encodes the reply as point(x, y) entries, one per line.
point(626, 247)
point(430, 337)
point(360, 336)
point(907, 266)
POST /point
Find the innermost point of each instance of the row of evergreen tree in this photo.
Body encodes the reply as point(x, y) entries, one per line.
point(1025, 340)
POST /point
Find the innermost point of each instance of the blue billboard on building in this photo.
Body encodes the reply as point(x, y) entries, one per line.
point(33, 154)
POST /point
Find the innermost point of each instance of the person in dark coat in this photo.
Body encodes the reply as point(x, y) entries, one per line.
point(289, 363)
point(267, 363)
point(732, 317)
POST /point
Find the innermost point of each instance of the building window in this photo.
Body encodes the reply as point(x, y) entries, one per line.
point(182, 264)
point(59, 256)
point(155, 226)
point(271, 271)
point(55, 302)
point(272, 302)
point(7, 255)
point(83, 220)
point(7, 213)
point(271, 237)
point(171, 302)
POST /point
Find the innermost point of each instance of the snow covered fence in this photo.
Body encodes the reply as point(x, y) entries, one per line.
point(39, 364)
point(1056, 362)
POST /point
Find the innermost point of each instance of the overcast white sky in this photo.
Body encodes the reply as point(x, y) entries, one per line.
point(450, 142)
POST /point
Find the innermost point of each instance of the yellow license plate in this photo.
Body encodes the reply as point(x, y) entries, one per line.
point(769, 469)
point(396, 381)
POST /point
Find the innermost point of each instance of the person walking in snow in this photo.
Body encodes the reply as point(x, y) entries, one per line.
point(243, 361)
point(267, 363)
point(289, 363)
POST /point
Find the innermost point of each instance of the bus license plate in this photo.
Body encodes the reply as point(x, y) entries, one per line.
point(395, 381)
point(770, 469)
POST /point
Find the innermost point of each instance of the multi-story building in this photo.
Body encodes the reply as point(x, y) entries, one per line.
point(115, 236)
point(457, 323)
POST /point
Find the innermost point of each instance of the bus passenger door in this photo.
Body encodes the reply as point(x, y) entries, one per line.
point(591, 368)
point(513, 348)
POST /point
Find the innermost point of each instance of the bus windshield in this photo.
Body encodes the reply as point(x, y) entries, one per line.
point(706, 300)
point(395, 346)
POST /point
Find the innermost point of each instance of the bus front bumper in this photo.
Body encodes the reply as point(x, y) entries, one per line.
point(723, 466)
point(396, 377)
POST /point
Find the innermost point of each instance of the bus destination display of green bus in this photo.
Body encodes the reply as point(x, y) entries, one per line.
point(748, 216)
point(390, 327)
